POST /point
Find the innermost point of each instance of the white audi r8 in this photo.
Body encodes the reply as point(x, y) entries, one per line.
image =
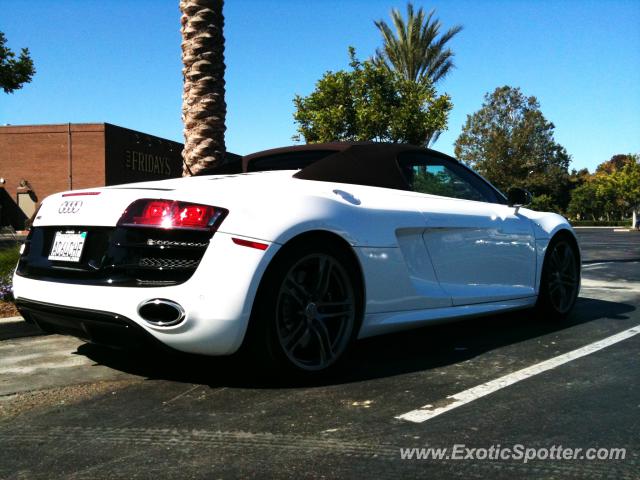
point(293, 253)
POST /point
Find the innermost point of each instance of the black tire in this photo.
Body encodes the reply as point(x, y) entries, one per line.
point(308, 310)
point(560, 279)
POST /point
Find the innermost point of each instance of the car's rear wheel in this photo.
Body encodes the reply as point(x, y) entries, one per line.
point(308, 309)
point(560, 282)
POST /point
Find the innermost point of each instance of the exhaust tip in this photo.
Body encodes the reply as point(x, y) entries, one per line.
point(161, 312)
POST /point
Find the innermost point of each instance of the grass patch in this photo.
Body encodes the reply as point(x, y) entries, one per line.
point(8, 260)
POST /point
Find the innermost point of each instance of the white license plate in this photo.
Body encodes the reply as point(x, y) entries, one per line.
point(67, 246)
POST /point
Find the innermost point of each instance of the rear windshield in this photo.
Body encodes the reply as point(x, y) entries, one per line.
point(279, 161)
point(287, 161)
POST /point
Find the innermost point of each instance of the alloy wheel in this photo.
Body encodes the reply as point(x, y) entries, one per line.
point(562, 277)
point(315, 312)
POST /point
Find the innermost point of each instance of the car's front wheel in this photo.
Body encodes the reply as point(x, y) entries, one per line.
point(560, 282)
point(308, 309)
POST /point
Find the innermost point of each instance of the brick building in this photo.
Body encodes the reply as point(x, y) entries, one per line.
point(38, 160)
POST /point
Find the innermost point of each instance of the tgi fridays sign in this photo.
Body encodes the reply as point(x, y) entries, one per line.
point(147, 163)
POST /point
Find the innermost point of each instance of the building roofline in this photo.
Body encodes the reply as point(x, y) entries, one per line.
point(75, 127)
point(50, 124)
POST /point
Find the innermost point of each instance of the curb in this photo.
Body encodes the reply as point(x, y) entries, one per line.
point(611, 227)
point(10, 320)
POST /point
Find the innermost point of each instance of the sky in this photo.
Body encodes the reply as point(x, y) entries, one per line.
point(118, 61)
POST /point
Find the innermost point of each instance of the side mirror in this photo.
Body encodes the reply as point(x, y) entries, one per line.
point(518, 197)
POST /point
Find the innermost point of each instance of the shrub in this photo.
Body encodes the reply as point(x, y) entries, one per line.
point(601, 223)
point(8, 260)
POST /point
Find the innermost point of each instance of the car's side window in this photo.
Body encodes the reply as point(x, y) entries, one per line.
point(439, 176)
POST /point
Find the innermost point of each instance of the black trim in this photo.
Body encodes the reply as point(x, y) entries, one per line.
point(96, 326)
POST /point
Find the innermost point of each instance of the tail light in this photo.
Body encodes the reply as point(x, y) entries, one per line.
point(171, 214)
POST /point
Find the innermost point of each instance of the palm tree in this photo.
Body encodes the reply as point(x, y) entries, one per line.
point(203, 105)
point(415, 50)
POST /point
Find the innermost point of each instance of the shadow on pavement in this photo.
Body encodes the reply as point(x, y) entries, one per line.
point(389, 355)
point(18, 329)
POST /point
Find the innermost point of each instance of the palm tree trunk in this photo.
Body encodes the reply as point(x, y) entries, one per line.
point(203, 105)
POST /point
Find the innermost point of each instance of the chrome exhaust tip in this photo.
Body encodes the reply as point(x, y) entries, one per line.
point(161, 312)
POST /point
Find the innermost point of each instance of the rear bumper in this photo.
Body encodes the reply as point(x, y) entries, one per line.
point(105, 328)
point(217, 300)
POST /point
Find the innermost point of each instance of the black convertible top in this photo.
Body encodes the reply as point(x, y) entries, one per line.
point(372, 164)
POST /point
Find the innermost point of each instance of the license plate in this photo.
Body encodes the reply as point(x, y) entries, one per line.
point(67, 246)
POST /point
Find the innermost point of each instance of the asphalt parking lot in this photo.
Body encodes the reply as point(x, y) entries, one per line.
point(75, 410)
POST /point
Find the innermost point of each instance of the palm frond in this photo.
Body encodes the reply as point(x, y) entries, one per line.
point(414, 46)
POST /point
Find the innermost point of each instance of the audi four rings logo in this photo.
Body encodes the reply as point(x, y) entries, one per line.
point(70, 206)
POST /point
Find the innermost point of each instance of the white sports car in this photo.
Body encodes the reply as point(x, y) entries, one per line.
point(293, 252)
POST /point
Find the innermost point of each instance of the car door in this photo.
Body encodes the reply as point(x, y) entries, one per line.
point(481, 249)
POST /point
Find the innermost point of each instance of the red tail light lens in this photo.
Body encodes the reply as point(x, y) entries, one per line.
point(171, 214)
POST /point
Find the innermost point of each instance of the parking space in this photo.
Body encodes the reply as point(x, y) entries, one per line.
point(78, 410)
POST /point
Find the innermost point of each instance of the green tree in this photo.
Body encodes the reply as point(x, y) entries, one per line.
point(584, 204)
point(626, 183)
point(544, 203)
point(511, 143)
point(203, 105)
point(576, 179)
point(14, 73)
point(416, 49)
point(617, 162)
point(370, 103)
point(612, 193)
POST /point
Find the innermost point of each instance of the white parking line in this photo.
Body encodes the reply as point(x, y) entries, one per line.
point(620, 285)
point(462, 398)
